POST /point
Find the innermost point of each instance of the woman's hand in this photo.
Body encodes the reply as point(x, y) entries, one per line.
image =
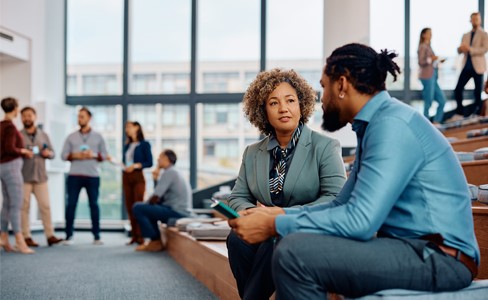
point(254, 226)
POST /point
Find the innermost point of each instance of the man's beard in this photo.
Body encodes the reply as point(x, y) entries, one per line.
point(28, 124)
point(330, 119)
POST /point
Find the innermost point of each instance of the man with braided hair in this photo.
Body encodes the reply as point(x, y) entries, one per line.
point(402, 220)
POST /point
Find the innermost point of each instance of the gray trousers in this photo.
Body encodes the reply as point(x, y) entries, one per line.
point(307, 266)
point(12, 193)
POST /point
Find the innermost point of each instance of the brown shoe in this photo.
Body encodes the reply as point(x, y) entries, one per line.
point(30, 242)
point(131, 242)
point(53, 240)
point(152, 246)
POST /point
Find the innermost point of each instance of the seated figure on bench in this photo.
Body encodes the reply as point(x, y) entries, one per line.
point(292, 166)
point(403, 219)
point(172, 198)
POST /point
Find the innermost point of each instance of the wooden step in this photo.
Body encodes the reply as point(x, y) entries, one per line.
point(461, 132)
point(469, 145)
point(480, 219)
point(206, 261)
point(476, 172)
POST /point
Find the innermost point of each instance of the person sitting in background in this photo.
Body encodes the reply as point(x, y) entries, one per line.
point(35, 177)
point(429, 68)
point(172, 198)
point(11, 152)
point(292, 166)
point(137, 156)
point(403, 219)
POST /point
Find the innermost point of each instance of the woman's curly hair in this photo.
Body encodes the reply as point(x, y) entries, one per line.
point(257, 94)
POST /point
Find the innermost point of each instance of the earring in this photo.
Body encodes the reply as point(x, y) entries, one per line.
point(341, 95)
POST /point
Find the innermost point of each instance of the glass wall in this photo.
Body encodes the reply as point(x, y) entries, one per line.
point(94, 47)
point(185, 81)
point(294, 37)
point(221, 141)
point(446, 36)
point(164, 127)
point(160, 38)
point(386, 32)
point(228, 44)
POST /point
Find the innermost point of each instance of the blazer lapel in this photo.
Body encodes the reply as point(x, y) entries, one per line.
point(262, 167)
point(300, 155)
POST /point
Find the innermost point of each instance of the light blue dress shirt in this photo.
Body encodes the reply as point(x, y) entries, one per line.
point(406, 182)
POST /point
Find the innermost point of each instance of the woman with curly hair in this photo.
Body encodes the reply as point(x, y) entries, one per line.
point(292, 166)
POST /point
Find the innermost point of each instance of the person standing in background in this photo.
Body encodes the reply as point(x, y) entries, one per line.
point(428, 75)
point(137, 156)
point(474, 46)
point(11, 152)
point(35, 177)
point(85, 149)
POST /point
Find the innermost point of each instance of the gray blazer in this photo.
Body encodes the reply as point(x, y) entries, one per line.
point(316, 173)
point(478, 49)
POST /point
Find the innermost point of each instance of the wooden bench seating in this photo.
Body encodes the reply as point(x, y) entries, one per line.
point(206, 261)
point(480, 218)
point(469, 145)
point(460, 132)
point(476, 172)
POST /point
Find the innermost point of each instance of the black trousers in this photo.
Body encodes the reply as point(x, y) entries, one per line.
point(251, 266)
point(464, 77)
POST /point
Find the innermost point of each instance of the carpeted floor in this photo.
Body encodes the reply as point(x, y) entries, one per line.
point(86, 271)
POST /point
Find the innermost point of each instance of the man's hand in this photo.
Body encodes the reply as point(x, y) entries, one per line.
point(155, 173)
point(27, 153)
point(46, 153)
point(254, 225)
point(463, 48)
point(270, 210)
point(154, 200)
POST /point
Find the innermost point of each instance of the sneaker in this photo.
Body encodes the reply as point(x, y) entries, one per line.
point(97, 242)
point(68, 242)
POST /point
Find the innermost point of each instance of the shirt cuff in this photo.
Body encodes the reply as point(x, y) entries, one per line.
point(285, 224)
point(292, 210)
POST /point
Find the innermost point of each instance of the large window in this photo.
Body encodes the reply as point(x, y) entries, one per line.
point(160, 47)
point(224, 134)
point(94, 44)
point(387, 32)
point(228, 44)
point(185, 81)
point(447, 30)
point(164, 127)
point(294, 37)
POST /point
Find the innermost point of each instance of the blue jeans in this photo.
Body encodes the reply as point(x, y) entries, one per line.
point(430, 92)
point(74, 184)
point(148, 215)
point(307, 266)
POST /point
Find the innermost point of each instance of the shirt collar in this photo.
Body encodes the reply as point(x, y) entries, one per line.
point(369, 110)
point(273, 142)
